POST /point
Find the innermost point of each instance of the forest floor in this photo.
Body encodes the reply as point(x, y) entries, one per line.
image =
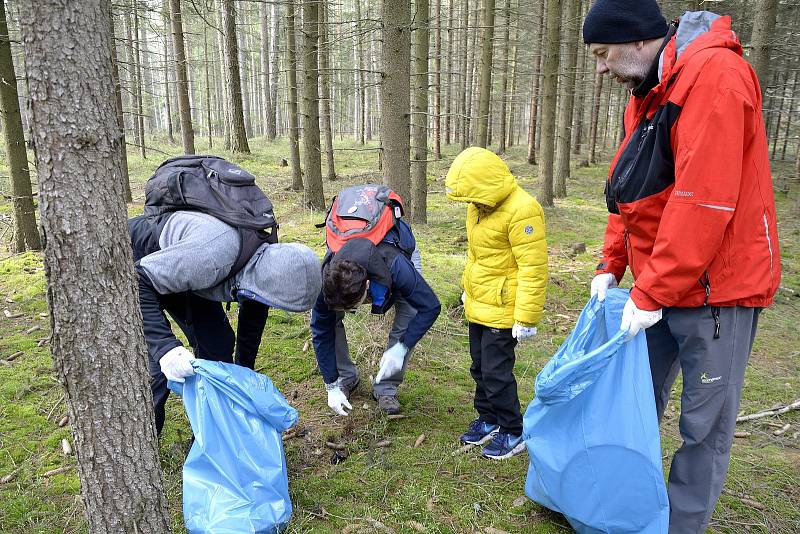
point(399, 487)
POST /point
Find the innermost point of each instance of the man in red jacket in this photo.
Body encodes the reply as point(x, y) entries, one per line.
point(693, 217)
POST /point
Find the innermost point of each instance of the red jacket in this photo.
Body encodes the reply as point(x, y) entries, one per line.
point(690, 191)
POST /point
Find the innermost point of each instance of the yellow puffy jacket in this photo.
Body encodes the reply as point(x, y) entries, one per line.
point(505, 278)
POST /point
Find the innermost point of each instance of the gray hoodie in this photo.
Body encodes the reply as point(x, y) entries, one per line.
point(198, 251)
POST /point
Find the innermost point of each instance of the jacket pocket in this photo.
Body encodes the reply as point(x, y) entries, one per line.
point(500, 287)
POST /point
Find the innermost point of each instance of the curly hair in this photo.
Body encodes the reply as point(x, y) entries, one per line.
point(344, 284)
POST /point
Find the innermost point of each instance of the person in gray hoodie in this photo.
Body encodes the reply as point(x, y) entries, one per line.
point(184, 262)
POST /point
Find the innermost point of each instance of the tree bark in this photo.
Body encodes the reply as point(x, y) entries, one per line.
point(182, 86)
point(449, 122)
point(549, 92)
point(437, 82)
point(395, 97)
point(313, 183)
point(565, 109)
point(463, 125)
point(485, 92)
point(595, 119)
point(419, 117)
point(167, 69)
point(137, 65)
point(238, 133)
point(276, 22)
point(761, 40)
point(97, 343)
point(26, 235)
point(501, 149)
point(208, 88)
point(471, 75)
point(291, 59)
point(324, 76)
point(123, 149)
point(537, 63)
point(269, 108)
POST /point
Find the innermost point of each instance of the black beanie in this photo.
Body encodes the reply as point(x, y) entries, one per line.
point(623, 21)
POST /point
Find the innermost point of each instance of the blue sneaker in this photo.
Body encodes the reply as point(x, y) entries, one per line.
point(504, 445)
point(479, 432)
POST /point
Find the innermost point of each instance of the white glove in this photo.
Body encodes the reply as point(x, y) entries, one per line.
point(521, 333)
point(337, 400)
point(176, 364)
point(463, 297)
point(601, 283)
point(392, 361)
point(635, 320)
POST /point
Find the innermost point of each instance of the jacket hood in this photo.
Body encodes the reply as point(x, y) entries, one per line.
point(282, 275)
point(479, 176)
point(697, 31)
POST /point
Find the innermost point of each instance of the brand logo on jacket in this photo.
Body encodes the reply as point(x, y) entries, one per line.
point(529, 229)
point(684, 193)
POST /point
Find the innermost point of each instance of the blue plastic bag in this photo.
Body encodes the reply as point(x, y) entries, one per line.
point(235, 478)
point(592, 430)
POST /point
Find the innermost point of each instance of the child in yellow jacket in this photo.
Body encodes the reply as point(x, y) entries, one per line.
point(504, 281)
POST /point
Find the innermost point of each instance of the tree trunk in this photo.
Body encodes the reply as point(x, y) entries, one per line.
point(97, 336)
point(788, 130)
point(437, 83)
point(148, 89)
point(537, 63)
point(761, 40)
point(395, 96)
point(244, 77)
point(549, 92)
point(471, 75)
point(463, 124)
point(512, 94)
point(485, 84)
point(419, 117)
point(123, 149)
point(564, 128)
point(313, 183)
point(449, 123)
point(167, 68)
point(131, 56)
point(182, 86)
point(137, 65)
point(276, 21)
point(580, 107)
point(324, 76)
point(208, 87)
point(269, 112)
point(238, 132)
point(291, 59)
point(595, 119)
point(501, 149)
point(26, 235)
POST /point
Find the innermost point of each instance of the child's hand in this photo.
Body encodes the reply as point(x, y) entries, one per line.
point(521, 333)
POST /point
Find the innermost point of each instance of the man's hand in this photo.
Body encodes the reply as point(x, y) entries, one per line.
point(337, 400)
point(522, 332)
point(635, 320)
point(392, 361)
point(176, 364)
point(601, 284)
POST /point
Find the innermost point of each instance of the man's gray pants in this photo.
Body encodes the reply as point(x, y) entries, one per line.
point(713, 373)
point(348, 372)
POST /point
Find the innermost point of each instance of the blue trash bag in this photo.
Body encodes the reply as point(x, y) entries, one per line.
point(592, 430)
point(234, 478)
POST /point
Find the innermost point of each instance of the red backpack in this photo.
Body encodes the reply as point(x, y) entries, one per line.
point(368, 211)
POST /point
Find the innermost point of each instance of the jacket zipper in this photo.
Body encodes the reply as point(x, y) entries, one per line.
point(629, 252)
point(706, 282)
point(769, 242)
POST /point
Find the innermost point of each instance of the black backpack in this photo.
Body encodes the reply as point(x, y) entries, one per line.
point(214, 186)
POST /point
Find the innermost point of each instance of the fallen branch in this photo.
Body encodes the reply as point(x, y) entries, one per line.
point(744, 499)
point(465, 448)
point(32, 329)
point(766, 413)
point(741, 434)
point(58, 471)
point(14, 356)
point(782, 429)
point(335, 446)
point(396, 416)
point(384, 443)
point(10, 476)
point(10, 315)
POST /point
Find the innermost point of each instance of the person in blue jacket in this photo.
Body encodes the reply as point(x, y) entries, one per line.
point(386, 276)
